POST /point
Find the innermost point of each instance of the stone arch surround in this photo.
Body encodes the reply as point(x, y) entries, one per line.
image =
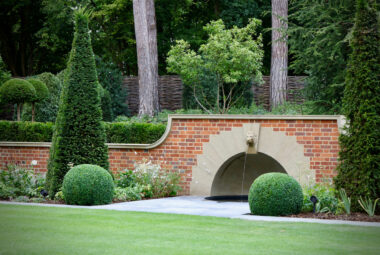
point(226, 144)
point(189, 140)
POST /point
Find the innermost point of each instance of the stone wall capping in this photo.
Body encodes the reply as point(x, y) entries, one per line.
point(24, 144)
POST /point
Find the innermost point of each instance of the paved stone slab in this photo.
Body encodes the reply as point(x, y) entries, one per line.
point(192, 205)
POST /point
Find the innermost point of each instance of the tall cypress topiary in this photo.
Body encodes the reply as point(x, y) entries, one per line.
point(79, 136)
point(359, 168)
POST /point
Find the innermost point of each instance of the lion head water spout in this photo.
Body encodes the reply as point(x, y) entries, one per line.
point(252, 143)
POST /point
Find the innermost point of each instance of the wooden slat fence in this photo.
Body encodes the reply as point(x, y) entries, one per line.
point(170, 91)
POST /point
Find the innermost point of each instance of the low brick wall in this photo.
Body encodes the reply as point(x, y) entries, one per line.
point(184, 141)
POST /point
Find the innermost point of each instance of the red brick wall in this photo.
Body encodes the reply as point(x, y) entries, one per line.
point(186, 139)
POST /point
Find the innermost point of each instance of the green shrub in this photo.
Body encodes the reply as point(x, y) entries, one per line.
point(21, 199)
point(149, 180)
point(106, 106)
point(41, 93)
point(134, 132)
point(327, 200)
point(88, 185)
point(25, 131)
point(79, 136)
point(111, 80)
point(16, 182)
point(125, 179)
point(17, 91)
point(359, 167)
point(124, 132)
point(275, 194)
point(47, 109)
point(156, 182)
point(128, 193)
point(41, 90)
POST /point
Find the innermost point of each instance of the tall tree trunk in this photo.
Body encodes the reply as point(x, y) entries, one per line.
point(279, 59)
point(146, 44)
point(18, 111)
point(33, 112)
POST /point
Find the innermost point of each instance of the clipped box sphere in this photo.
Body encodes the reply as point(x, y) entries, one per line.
point(17, 91)
point(275, 194)
point(88, 185)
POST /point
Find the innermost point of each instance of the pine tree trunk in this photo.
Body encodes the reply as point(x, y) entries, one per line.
point(146, 44)
point(279, 59)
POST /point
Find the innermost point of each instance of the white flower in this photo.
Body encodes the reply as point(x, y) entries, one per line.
point(34, 162)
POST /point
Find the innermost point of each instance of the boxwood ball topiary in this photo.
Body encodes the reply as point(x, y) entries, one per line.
point(88, 185)
point(41, 90)
point(17, 91)
point(275, 194)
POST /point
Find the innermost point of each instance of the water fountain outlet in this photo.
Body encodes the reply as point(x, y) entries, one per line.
point(251, 142)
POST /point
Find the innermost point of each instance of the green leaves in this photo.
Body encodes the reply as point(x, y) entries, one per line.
point(79, 135)
point(359, 168)
point(318, 32)
point(17, 91)
point(275, 194)
point(229, 55)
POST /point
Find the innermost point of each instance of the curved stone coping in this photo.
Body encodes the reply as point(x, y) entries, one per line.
point(339, 118)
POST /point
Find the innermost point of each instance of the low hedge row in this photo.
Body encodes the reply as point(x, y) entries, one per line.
point(25, 131)
point(121, 132)
point(116, 132)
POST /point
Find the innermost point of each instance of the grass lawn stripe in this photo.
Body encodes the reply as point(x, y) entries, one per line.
point(49, 230)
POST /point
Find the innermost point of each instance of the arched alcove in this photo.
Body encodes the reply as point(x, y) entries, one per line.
point(228, 181)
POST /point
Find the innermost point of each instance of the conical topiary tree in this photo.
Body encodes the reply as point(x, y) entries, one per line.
point(359, 168)
point(42, 92)
point(79, 136)
point(17, 91)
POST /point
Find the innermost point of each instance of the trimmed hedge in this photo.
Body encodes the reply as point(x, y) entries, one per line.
point(24, 131)
point(275, 194)
point(134, 132)
point(116, 132)
point(79, 136)
point(88, 185)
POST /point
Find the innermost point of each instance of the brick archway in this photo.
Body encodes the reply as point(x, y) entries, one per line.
point(226, 144)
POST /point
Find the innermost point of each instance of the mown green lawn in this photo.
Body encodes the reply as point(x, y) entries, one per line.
point(47, 230)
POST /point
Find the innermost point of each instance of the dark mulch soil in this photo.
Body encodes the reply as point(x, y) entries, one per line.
point(329, 216)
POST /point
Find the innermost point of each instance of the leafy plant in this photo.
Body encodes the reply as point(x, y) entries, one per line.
point(22, 199)
point(345, 200)
point(327, 201)
point(230, 58)
point(59, 196)
point(368, 206)
point(125, 179)
point(131, 193)
point(16, 181)
point(148, 180)
point(157, 182)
